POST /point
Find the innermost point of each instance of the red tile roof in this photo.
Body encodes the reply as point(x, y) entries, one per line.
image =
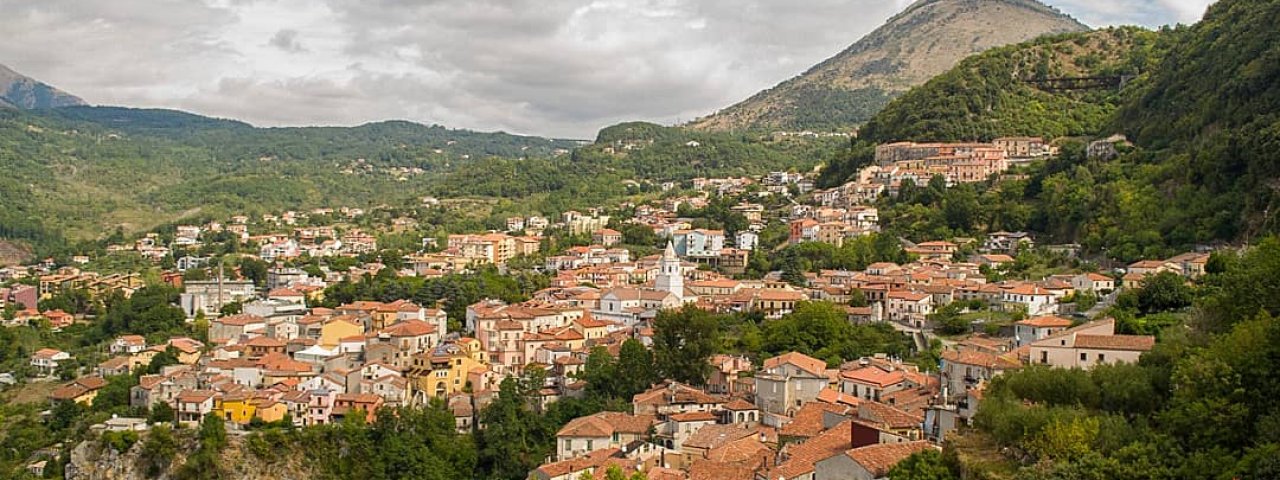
point(879, 459)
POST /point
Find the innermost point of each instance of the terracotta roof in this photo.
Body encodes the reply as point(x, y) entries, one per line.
point(802, 457)
point(674, 393)
point(694, 417)
point(807, 422)
point(1045, 322)
point(834, 397)
point(702, 469)
point(712, 436)
point(410, 328)
point(284, 292)
point(265, 342)
point(873, 375)
point(887, 416)
point(46, 353)
point(195, 396)
point(879, 459)
point(804, 362)
point(240, 320)
point(739, 404)
point(604, 424)
point(1115, 342)
point(977, 358)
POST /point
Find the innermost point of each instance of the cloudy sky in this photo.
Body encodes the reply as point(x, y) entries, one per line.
point(548, 67)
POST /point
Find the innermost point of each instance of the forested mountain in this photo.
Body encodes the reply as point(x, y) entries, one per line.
point(79, 173)
point(1003, 92)
point(925, 39)
point(20, 91)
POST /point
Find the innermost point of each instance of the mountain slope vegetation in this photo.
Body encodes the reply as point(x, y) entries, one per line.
point(924, 40)
point(995, 93)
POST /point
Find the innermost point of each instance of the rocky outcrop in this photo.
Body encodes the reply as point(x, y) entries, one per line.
point(94, 460)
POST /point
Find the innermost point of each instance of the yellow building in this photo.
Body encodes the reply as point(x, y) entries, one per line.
point(235, 407)
point(271, 411)
point(242, 409)
point(332, 333)
point(445, 370)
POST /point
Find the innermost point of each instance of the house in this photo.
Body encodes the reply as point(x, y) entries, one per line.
point(46, 360)
point(788, 381)
point(725, 370)
point(910, 308)
point(870, 462)
point(872, 381)
point(964, 369)
point(672, 398)
point(992, 260)
point(1093, 282)
point(1007, 242)
point(606, 236)
point(234, 326)
point(128, 344)
point(698, 244)
point(1032, 329)
point(115, 366)
point(188, 349)
point(81, 390)
point(1093, 343)
point(1035, 299)
point(446, 369)
point(193, 405)
point(355, 404)
point(600, 431)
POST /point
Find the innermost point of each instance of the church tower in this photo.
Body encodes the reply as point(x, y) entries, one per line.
point(670, 278)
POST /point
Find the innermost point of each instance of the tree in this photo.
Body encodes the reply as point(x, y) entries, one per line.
point(636, 371)
point(857, 298)
point(255, 270)
point(161, 412)
point(166, 357)
point(683, 341)
point(927, 464)
point(158, 450)
point(1165, 291)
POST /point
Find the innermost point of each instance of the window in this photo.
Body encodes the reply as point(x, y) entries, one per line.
point(589, 446)
point(1084, 356)
point(1102, 357)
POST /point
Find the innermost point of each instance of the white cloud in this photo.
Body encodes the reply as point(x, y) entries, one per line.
point(565, 67)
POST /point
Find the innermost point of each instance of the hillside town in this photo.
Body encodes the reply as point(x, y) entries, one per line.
point(272, 349)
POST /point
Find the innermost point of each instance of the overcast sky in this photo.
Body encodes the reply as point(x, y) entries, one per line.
point(547, 67)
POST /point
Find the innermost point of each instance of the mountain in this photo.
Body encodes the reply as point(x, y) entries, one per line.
point(926, 39)
point(999, 93)
point(21, 91)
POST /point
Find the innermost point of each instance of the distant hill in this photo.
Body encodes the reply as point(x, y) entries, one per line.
point(926, 39)
point(24, 92)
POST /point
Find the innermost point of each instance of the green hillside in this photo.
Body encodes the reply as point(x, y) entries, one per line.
point(79, 173)
point(994, 94)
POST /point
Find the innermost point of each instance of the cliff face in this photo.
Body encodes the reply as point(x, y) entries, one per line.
point(926, 39)
point(93, 460)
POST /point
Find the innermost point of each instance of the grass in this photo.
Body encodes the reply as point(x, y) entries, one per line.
point(980, 457)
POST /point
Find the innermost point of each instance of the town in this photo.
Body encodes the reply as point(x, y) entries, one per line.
point(308, 318)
